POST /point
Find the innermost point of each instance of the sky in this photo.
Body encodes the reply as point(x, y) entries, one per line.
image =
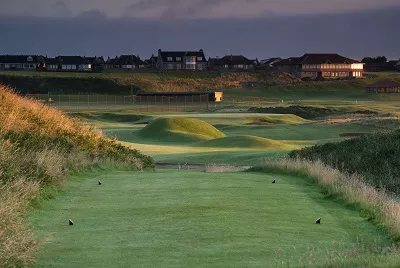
point(255, 28)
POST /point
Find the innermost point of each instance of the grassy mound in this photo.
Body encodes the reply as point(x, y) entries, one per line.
point(252, 142)
point(374, 156)
point(275, 119)
point(180, 130)
point(38, 145)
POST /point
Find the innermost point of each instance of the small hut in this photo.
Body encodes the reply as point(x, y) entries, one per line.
point(384, 86)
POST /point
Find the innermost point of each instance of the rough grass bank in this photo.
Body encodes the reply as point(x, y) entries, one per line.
point(375, 156)
point(38, 146)
point(123, 83)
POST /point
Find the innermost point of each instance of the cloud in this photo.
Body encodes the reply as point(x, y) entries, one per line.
point(182, 9)
point(189, 9)
point(92, 14)
point(346, 34)
point(61, 9)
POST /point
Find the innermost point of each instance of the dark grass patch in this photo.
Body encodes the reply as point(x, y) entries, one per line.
point(375, 156)
point(308, 112)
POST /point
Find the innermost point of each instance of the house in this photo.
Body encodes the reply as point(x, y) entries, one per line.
point(321, 66)
point(232, 62)
point(127, 63)
point(269, 63)
point(181, 97)
point(70, 63)
point(152, 62)
point(181, 60)
point(21, 62)
point(395, 65)
point(109, 63)
point(384, 86)
point(97, 63)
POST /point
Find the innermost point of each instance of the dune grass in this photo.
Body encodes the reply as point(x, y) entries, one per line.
point(180, 130)
point(173, 218)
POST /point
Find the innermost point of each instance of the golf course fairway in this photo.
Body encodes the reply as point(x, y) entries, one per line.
point(185, 218)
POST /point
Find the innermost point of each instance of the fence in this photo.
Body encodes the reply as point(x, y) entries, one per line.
point(119, 102)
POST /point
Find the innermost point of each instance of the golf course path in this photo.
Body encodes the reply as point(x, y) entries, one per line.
point(188, 218)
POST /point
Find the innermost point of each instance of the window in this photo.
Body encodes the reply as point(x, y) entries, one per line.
point(169, 58)
point(178, 59)
point(199, 58)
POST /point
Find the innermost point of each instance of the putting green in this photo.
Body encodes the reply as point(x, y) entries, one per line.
point(179, 218)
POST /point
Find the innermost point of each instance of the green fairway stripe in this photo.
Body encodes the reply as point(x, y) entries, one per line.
point(171, 218)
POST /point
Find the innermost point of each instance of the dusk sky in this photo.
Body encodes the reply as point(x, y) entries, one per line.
point(255, 28)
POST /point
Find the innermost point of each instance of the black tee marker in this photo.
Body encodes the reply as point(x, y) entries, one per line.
point(70, 222)
point(99, 182)
point(318, 221)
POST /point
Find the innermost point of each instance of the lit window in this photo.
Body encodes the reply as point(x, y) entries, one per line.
point(169, 58)
point(178, 59)
point(199, 58)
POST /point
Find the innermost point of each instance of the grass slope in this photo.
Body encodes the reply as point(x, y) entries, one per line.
point(251, 142)
point(173, 218)
point(180, 130)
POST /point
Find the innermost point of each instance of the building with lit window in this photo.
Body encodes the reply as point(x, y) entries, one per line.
point(321, 66)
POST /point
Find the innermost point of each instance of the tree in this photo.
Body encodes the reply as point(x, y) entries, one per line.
point(379, 59)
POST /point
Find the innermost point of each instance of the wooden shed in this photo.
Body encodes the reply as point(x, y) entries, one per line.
point(384, 86)
point(187, 97)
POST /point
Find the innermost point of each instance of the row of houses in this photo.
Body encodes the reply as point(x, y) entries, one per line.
point(307, 66)
point(165, 60)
